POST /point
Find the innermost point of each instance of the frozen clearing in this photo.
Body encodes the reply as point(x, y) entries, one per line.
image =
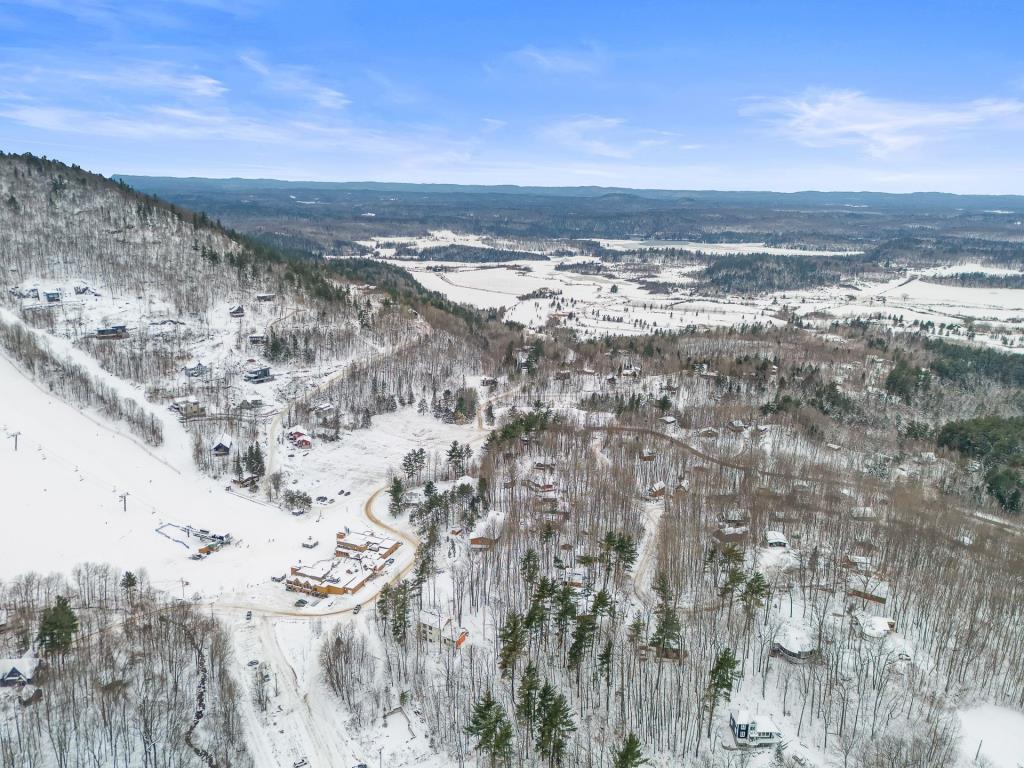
point(998, 730)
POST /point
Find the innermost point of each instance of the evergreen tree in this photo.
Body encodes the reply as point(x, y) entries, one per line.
point(513, 642)
point(490, 727)
point(630, 755)
point(57, 627)
point(396, 492)
point(529, 566)
point(529, 689)
point(554, 725)
point(723, 674)
point(129, 582)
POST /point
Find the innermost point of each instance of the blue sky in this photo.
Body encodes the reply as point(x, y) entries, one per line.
point(891, 96)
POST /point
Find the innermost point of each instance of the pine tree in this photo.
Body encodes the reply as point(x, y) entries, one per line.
point(723, 674)
point(396, 492)
point(490, 727)
point(529, 688)
point(630, 755)
point(57, 627)
point(529, 566)
point(554, 725)
point(513, 643)
point(129, 582)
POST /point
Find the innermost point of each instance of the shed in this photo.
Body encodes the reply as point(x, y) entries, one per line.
point(223, 445)
point(237, 311)
point(775, 540)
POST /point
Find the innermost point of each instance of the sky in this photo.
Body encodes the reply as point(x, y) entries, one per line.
point(767, 95)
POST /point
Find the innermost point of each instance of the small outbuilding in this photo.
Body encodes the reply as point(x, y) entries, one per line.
point(222, 447)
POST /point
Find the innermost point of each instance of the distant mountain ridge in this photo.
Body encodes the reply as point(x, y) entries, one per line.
point(912, 200)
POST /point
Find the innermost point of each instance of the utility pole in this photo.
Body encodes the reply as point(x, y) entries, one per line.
point(15, 436)
point(124, 501)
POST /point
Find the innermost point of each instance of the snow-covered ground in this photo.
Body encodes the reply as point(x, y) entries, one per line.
point(997, 731)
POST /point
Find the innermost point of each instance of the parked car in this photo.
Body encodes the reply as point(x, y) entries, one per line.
point(391, 561)
point(301, 602)
point(357, 609)
point(248, 615)
point(300, 763)
point(253, 663)
point(321, 499)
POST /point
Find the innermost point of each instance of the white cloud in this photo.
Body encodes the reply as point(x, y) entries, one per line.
point(295, 81)
point(492, 124)
point(561, 61)
point(609, 137)
point(828, 118)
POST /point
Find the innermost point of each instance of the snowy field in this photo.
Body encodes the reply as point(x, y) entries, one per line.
point(994, 733)
point(590, 305)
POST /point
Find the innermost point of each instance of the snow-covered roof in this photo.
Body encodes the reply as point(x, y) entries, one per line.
point(26, 665)
point(224, 440)
point(794, 637)
point(775, 537)
point(874, 626)
point(465, 480)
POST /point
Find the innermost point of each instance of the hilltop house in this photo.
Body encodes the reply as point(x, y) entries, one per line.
point(753, 730)
point(18, 671)
point(440, 630)
point(793, 641)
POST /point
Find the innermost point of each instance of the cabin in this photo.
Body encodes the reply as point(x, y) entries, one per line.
point(863, 513)
point(860, 563)
point(223, 446)
point(539, 483)
point(52, 297)
point(265, 296)
point(112, 332)
point(257, 338)
point(303, 441)
point(631, 371)
point(488, 381)
point(872, 626)
point(731, 534)
point(648, 454)
point(258, 375)
point(668, 420)
point(194, 371)
point(775, 540)
point(656, 491)
point(18, 671)
point(753, 730)
point(793, 642)
point(736, 517)
point(544, 464)
point(237, 311)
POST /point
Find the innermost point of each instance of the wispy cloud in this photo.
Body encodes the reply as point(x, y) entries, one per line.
point(492, 124)
point(581, 61)
point(881, 127)
point(296, 81)
point(610, 137)
point(148, 77)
